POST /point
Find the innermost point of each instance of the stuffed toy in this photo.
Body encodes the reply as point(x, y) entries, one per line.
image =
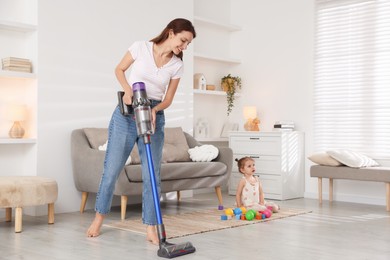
point(252, 125)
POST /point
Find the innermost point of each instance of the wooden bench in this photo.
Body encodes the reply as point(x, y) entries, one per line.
point(377, 174)
point(22, 191)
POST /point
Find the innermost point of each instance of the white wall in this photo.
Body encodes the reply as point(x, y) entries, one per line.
point(80, 43)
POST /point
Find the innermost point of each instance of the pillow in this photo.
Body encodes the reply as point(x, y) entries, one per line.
point(96, 136)
point(203, 153)
point(323, 158)
point(175, 146)
point(104, 148)
point(352, 159)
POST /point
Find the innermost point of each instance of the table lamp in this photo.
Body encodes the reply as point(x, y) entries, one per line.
point(252, 121)
point(16, 113)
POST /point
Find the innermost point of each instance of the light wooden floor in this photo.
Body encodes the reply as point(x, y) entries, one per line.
point(336, 231)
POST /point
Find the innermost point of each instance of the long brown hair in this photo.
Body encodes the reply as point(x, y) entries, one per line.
point(177, 25)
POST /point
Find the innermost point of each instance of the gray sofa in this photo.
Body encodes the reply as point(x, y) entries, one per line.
point(178, 171)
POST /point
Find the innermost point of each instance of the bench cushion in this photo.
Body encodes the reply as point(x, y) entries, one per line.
point(379, 174)
point(21, 191)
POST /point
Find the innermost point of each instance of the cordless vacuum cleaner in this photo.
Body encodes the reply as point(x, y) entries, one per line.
point(142, 112)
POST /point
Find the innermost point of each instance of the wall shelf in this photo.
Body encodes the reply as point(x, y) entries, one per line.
point(212, 92)
point(17, 27)
point(17, 74)
point(218, 59)
point(18, 141)
point(208, 22)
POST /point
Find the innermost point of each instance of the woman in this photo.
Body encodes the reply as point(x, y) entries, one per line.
point(158, 63)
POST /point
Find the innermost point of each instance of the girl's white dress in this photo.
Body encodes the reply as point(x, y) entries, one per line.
point(250, 197)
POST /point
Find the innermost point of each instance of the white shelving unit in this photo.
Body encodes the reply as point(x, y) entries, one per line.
point(213, 59)
point(17, 75)
point(208, 22)
point(216, 59)
point(212, 92)
point(18, 141)
point(17, 27)
point(18, 40)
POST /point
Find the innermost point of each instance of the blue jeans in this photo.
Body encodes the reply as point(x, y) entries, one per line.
point(122, 135)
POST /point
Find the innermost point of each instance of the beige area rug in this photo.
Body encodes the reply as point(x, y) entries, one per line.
point(196, 222)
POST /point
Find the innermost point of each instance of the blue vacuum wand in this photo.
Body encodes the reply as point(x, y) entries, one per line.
point(143, 117)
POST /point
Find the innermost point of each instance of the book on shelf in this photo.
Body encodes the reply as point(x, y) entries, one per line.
point(16, 64)
point(283, 126)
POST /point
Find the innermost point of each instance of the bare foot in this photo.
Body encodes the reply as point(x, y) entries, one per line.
point(94, 228)
point(151, 235)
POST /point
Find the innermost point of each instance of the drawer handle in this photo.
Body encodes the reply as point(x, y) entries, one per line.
point(254, 138)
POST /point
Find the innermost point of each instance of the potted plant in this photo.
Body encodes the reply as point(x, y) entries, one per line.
point(229, 85)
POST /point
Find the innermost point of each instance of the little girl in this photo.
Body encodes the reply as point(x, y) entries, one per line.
point(249, 191)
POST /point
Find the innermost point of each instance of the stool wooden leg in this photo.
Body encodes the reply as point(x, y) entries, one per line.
point(84, 197)
point(219, 194)
point(123, 207)
point(50, 214)
point(8, 214)
point(18, 219)
point(320, 190)
point(178, 195)
point(330, 190)
point(388, 196)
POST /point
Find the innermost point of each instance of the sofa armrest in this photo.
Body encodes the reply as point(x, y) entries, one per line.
point(225, 156)
point(87, 163)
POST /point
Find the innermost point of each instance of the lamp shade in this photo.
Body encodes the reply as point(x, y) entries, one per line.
point(17, 112)
point(250, 112)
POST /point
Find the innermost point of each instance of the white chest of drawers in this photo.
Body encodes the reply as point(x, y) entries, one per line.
point(279, 161)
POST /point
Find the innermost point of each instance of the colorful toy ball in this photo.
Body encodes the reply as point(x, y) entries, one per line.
point(237, 211)
point(267, 213)
point(229, 212)
point(254, 211)
point(249, 215)
point(243, 210)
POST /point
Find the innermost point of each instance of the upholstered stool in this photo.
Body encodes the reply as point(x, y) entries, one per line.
point(22, 191)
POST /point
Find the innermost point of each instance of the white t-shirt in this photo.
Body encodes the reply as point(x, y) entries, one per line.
point(144, 69)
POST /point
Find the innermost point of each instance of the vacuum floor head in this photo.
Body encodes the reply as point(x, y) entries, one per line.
point(169, 250)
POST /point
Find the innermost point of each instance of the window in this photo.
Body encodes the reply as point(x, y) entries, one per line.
point(352, 76)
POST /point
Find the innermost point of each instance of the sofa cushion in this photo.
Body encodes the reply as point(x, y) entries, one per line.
point(203, 153)
point(96, 136)
point(180, 170)
point(175, 144)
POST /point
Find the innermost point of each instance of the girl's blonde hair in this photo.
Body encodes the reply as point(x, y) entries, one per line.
point(241, 162)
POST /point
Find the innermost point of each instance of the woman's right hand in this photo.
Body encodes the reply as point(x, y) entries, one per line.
point(128, 97)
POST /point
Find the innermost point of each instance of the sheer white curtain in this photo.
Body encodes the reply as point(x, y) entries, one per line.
point(352, 76)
